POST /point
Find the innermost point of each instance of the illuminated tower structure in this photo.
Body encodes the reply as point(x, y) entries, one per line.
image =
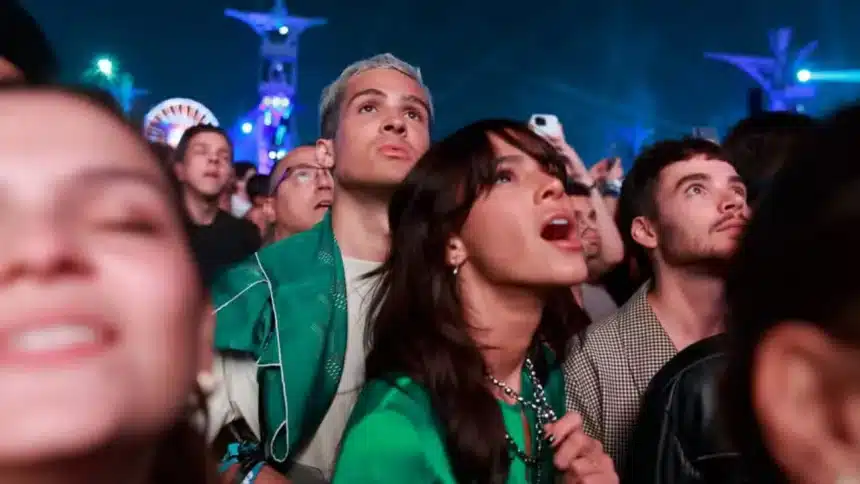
point(776, 75)
point(271, 124)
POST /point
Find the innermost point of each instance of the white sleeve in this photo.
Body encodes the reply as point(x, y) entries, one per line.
point(236, 395)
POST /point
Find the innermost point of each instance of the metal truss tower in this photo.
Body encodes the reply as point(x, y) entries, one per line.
point(273, 126)
point(776, 75)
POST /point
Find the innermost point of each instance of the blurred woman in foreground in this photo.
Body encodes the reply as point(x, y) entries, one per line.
point(102, 332)
point(792, 390)
point(473, 314)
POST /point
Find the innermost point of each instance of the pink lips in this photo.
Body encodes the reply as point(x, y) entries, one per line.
point(394, 151)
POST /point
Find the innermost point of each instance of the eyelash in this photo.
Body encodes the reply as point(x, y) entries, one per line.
point(689, 189)
point(503, 173)
point(418, 116)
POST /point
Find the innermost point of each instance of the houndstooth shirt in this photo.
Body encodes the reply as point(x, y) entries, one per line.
point(609, 368)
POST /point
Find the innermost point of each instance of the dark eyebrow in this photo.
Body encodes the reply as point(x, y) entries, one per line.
point(691, 178)
point(509, 158)
point(376, 92)
point(417, 100)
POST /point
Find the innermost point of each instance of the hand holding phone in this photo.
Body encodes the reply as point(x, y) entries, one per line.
point(546, 125)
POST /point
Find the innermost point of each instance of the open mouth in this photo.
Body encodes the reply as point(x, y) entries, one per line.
point(561, 231)
point(324, 205)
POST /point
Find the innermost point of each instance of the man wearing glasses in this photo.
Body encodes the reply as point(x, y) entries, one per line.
point(300, 193)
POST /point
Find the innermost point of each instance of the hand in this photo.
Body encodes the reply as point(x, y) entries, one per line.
point(577, 455)
point(267, 475)
point(575, 164)
point(607, 169)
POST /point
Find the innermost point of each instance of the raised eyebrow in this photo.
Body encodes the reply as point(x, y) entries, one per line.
point(420, 102)
point(693, 177)
point(366, 93)
point(737, 179)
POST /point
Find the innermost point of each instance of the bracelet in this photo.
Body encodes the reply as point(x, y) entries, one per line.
point(250, 458)
point(251, 476)
point(610, 188)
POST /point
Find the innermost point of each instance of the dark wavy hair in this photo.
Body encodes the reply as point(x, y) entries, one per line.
point(419, 328)
point(783, 271)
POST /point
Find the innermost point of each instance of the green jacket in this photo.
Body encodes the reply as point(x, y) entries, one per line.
point(286, 306)
point(394, 435)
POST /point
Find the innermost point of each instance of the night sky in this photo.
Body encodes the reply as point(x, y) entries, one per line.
point(596, 64)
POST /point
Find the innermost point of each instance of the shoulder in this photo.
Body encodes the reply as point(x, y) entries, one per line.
point(398, 395)
point(599, 341)
point(236, 281)
point(399, 410)
point(694, 369)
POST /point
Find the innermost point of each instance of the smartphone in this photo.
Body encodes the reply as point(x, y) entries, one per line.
point(546, 125)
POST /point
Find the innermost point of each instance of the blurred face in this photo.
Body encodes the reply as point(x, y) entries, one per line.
point(9, 72)
point(102, 309)
point(384, 128)
point(701, 213)
point(806, 398)
point(206, 169)
point(303, 192)
point(586, 225)
point(522, 232)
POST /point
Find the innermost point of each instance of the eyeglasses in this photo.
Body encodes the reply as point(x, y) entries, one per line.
point(302, 174)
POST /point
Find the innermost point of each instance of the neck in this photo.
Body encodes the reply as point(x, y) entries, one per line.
point(360, 224)
point(503, 322)
point(688, 304)
point(577, 294)
point(201, 210)
point(282, 232)
point(108, 466)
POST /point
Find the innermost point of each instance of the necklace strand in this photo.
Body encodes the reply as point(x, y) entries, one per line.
point(543, 412)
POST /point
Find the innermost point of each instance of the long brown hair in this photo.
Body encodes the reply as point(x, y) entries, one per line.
point(419, 328)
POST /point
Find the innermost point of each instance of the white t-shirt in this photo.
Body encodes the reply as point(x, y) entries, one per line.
point(237, 394)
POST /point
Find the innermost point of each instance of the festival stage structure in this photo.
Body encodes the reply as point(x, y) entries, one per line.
point(271, 125)
point(776, 75)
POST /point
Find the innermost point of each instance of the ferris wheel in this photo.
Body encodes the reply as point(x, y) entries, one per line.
point(166, 122)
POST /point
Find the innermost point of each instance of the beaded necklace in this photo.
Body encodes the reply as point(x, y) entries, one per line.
point(543, 411)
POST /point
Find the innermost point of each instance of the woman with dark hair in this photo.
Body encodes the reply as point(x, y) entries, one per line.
point(792, 388)
point(104, 342)
point(472, 315)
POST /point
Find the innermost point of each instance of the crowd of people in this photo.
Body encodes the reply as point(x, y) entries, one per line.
point(387, 308)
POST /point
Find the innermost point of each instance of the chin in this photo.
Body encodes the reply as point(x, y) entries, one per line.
point(570, 273)
point(61, 429)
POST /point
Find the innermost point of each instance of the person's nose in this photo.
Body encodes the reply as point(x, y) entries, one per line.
point(394, 125)
point(40, 248)
point(325, 180)
point(551, 188)
point(732, 201)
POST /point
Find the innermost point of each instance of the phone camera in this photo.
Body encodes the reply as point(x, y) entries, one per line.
point(540, 121)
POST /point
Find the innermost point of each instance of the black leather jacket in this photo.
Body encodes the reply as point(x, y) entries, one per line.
point(678, 438)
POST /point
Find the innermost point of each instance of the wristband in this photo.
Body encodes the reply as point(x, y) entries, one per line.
point(251, 476)
point(610, 188)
